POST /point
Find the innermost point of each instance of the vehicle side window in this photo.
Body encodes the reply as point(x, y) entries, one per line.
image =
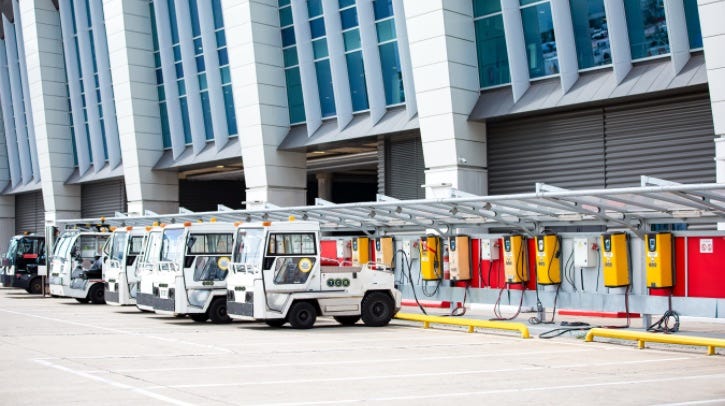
point(291, 244)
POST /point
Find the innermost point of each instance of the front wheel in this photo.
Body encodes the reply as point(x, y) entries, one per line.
point(218, 312)
point(377, 309)
point(302, 315)
point(96, 294)
point(347, 320)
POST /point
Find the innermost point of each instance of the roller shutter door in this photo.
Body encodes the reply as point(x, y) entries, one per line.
point(103, 198)
point(405, 169)
point(672, 140)
point(565, 150)
point(29, 213)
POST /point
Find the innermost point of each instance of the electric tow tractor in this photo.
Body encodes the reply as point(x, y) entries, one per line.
point(20, 265)
point(147, 269)
point(76, 266)
point(278, 278)
point(192, 273)
point(119, 268)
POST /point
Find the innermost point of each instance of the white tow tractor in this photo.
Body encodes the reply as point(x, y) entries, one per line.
point(119, 267)
point(147, 269)
point(192, 272)
point(75, 267)
point(277, 277)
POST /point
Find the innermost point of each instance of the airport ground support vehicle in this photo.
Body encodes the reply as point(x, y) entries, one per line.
point(20, 264)
point(119, 267)
point(76, 266)
point(147, 269)
point(278, 278)
point(192, 271)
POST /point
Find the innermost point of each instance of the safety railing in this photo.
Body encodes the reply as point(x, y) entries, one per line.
point(472, 324)
point(643, 337)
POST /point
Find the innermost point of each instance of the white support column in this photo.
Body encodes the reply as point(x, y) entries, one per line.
point(47, 81)
point(32, 144)
point(6, 102)
point(7, 217)
point(618, 38)
point(5, 176)
point(74, 86)
point(260, 101)
point(110, 125)
point(85, 52)
point(308, 75)
point(26, 170)
point(677, 34)
point(213, 77)
point(338, 63)
point(371, 60)
point(130, 51)
point(168, 71)
point(191, 80)
point(515, 48)
point(7, 203)
point(406, 66)
point(565, 45)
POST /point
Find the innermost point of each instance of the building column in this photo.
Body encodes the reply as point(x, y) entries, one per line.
point(7, 203)
point(130, 50)
point(49, 100)
point(445, 69)
point(324, 185)
point(260, 100)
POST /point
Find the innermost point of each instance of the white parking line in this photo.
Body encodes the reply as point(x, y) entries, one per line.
point(696, 402)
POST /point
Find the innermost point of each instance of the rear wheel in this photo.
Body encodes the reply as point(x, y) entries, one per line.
point(96, 294)
point(35, 286)
point(377, 309)
point(275, 322)
point(302, 315)
point(218, 311)
point(199, 317)
point(347, 320)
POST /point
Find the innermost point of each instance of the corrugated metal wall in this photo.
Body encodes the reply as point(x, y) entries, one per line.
point(103, 198)
point(404, 168)
point(29, 213)
point(604, 147)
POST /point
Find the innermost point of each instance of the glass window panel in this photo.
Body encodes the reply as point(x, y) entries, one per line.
point(383, 8)
point(294, 95)
point(185, 119)
point(198, 47)
point(392, 74)
point(172, 20)
point(216, 7)
point(314, 8)
point(285, 16)
point(324, 84)
point(226, 75)
point(356, 76)
point(223, 56)
point(181, 87)
point(386, 30)
point(194, 12)
point(159, 77)
point(231, 114)
point(346, 3)
point(206, 111)
point(525, 2)
point(319, 48)
point(202, 82)
point(200, 67)
point(288, 36)
point(647, 28)
point(177, 53)
point(692, 15)
point(290, 56)
point(540, 41)
point(221, 38)
point(352, 39)
point(317, 28)
point(179, 70)
point(162, 93)
point(349, 18)
point(590, 33)
point(483, 7)
point(157, 59)
point(283, 3)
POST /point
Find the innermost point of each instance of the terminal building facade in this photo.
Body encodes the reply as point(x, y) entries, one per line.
point(151, 105)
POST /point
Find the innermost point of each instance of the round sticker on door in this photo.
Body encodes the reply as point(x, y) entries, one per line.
point(305, 265)
point(223, 263)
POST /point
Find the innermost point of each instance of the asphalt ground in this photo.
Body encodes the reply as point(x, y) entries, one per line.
point(57, 351)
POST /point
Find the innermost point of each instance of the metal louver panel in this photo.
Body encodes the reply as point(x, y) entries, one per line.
point(103, 198)
point(564, 149)
point(670, 139)
point(29, 213)
point(405, 169)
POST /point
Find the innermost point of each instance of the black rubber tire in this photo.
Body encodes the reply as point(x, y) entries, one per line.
point(96, 294)
point(35, 286)
point(275, 322)
point(302, 315)
point(82, 300)
point(218, 311)
point(199, 317)
point(347, 320)
point(378, 309)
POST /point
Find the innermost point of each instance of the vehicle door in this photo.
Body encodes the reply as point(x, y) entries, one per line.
point(290, 262)
point(207, 259)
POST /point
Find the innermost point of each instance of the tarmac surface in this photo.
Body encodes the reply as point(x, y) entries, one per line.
point(58, 351)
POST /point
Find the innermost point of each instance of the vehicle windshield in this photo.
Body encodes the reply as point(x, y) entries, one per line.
point(152, 248)
point(63, 246)
point(11, 248)
point(118, 245)
point(173, 245)
point(136, 245)
point(249, 246)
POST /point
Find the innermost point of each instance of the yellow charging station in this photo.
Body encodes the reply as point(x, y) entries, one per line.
point(431, 258)
point(659, 259)
point(360, 251)
point(548, 262)
point(515, 259)
point(384, 252)
point(459, 257)
point(615, 260)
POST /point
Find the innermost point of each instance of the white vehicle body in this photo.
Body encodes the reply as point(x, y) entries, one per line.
point(192, 272)
point(147, 269)
point(277, 277)
point(119, 268)
point(74, 267)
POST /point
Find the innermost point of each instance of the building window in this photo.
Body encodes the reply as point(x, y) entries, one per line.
point(322, 58)
point(226, 77)
point(647, 28)
point(590, 33)
point(540, 40)
point(295, 101)
point(353, 55)
point(493, 63)
point(389, 54)
point(692, 15)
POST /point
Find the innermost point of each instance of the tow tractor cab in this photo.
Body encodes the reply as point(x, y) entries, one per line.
point(75, 267)
point(147, 269)
point(192, 273)
point(119, 267)
point(277, 277)
point(20, 264)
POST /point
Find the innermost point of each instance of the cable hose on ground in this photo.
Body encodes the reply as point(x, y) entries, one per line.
point(663, 324)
